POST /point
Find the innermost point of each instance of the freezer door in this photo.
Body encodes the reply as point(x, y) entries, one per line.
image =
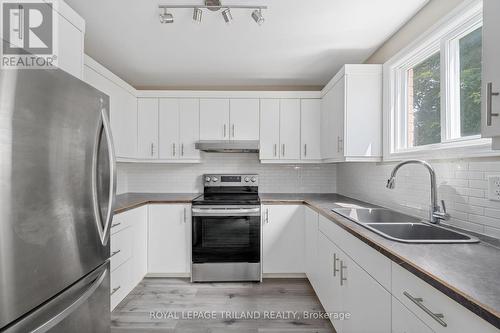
point(82, 308)
point(57, 186)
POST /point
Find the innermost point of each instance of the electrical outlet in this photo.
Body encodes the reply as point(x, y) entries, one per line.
point(494, 188)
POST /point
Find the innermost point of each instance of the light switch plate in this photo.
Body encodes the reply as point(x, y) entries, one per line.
point(494, 188)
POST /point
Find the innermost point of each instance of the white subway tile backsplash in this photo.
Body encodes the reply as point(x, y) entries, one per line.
point(461, 183)
point(303, 178)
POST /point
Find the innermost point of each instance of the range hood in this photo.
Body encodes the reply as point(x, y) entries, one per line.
point(224, 146)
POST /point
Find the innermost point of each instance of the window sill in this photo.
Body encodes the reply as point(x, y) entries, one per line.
point(443, 151)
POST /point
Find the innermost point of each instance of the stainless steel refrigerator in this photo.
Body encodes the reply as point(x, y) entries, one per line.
point(57, 189)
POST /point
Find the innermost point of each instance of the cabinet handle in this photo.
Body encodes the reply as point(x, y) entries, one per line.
point(275, 150)
point(267, 215)
point(283, 149)
point(152, 149)
point(115, 290)
point(115, 225)
point(173, 149)
point(182, 149)
point(342, 277)
point(489, 103)
point(224, 131)
point(335, 269)
point(185, 219)
point(305, 149)
point(233, 130)
point(115, 253)
point(419, 302)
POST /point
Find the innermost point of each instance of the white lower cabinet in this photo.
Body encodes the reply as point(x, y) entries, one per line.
point(283, 239)
point(435, 309)
point(311, 245)
point(169, 241)
point(403, 321)
point(128, 252)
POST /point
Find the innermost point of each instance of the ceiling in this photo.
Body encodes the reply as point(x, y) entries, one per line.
point(301, 45)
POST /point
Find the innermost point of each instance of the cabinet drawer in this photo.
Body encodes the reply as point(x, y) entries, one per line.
point(374, 263)
point(121, 247)
point(425, 302)
point(119, 223)
point(403, 321)
point(119, 284)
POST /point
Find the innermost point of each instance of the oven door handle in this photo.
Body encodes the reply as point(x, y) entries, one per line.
point(226, 211)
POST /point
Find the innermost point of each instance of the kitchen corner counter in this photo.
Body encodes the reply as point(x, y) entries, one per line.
point(467, 273)
point(128, 201)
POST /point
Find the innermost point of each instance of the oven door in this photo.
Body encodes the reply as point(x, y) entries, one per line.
point(226, 235)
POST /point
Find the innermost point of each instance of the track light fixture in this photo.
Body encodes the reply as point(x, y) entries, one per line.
point(166, 17)
point(257, 16)
point(212, 5)
point(226, 14)
point(197, 14)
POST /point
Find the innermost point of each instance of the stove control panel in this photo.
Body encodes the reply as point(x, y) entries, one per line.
point(231, 180)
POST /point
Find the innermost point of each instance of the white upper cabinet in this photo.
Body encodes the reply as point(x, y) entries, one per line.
point(214, 119)
point(122, 107)
point(269, 129)
point(71, 32)
point(244, 119)
point(310, 124)
point(168, 125)
point(290, 129)
point(189, 128)
point(351, 115)
point(147, 109)
point(491, 72)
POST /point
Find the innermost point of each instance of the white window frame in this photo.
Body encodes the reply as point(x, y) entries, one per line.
point(443, 37)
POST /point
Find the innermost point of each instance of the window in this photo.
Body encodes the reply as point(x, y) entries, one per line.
point(434, 88)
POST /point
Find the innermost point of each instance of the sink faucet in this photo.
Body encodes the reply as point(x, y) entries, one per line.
point(435, 213)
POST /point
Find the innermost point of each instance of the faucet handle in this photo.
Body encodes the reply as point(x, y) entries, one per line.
point(443, 206)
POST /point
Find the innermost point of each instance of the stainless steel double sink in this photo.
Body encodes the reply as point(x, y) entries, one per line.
point(402, 228)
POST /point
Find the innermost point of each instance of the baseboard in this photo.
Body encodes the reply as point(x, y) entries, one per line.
point(284, 275)
point(168, 275)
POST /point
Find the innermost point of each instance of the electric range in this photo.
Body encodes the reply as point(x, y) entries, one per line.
point(226, 229)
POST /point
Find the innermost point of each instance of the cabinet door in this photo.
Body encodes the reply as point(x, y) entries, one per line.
point(403, 321)
point(269, 129)
point(147, 109)
point(283, 239)
point(169, 239)
point(311, 245)
point(328, 134)
point(337, 121)
point(328, 286)
point(122, 113)
point(138, 220)
point(70, 57)
point(189, 128)
point(290, 129)
point(214, 119)
point(491, 68)
point(244, 119)
point(367, 301)
point(168, 125)
point(310, 134)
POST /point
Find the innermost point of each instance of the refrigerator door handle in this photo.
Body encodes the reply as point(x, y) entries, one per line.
point(104, 228)
point(30, 324)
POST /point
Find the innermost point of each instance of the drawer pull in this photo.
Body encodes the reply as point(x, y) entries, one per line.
point(114, 290)
point(115, 252)
point(419, 302)
point(115, 225)
point(342, 277)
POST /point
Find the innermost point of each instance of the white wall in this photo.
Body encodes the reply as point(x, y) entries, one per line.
point(187, 177)
point(461, 183)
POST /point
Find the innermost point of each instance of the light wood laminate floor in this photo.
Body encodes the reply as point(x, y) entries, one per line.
point(223, 305)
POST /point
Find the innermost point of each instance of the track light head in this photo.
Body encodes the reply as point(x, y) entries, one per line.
point(197, 14)
point(166, 17)
point(226, 14)
point(257, 16)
